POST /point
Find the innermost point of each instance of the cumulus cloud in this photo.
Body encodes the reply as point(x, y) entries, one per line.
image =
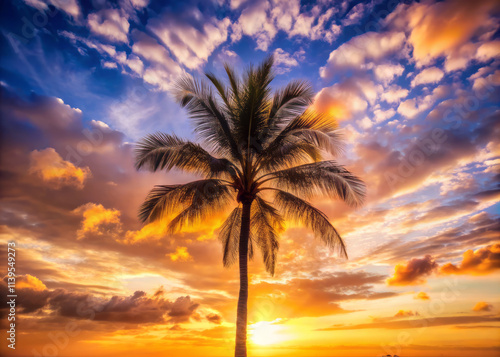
point(344, 99)
point(111, 24)
point(138, 308)
point(428, 75)
point(394, 94)
point(181, 254)
point(70, 7)
point(413, 272)
point(98, 221)
point(357, 52)
point(262, 20)
point(406, 313)
point(284, 61)
point(55, 172)
point(387, 72)
point(190, 36)
point(422, 296)
point(313, 25)
point(214, 318)
point(438, 29)
point(482, 306)
point(479, 262)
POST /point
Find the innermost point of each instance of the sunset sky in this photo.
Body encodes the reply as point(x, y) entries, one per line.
point(415, 89)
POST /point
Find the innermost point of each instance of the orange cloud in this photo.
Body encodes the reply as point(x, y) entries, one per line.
point(480, 262)
point(180, 254)
point(49, 166)
point(482, 306)
point(98, 221)
point(29, 282)
point(406, 313)
point(422, 296)
point(443, 28)
point(413, 272)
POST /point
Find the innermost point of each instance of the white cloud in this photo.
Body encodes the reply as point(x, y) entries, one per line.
point(191, 39)
point(358, 51)
point(428, 75)
point(70, 7)
point(488, 50)
point(394, 94)
point(263, 19)
point(387, 72)
point(111, 24)
point(284, 61)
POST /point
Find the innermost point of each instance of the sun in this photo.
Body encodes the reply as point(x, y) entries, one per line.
point(265, 333)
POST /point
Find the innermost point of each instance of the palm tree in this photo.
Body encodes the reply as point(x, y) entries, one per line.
point(260, 151)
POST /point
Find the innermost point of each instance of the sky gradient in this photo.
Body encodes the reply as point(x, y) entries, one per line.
point(415, 89)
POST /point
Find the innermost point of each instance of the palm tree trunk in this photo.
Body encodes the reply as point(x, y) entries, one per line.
point(241, 318)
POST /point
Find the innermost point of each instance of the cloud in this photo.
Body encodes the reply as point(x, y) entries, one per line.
point(28, 281)
point(111, 24)
point(356, 13)
point(418, 323)
point(443, 28)
point(98, 221)
point(344, 99)
point(149, 49)
point(181, 254)
point(214, 318)
point(482, 306)
point(488, 50)
point(55, 172)
point(138, 308)
point(317, 295)
point(413, 272)
point(357, 52)
point(480, 262)
point(262, 20)
point(428, 75)
point(394, 94)
point(190, 36)
point(406, 313)
point(284, 61)
point(313, 25)
point(422, 296)
point(387, 72)
point(70, 7)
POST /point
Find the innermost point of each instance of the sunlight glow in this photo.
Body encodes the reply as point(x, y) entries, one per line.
point(265, 333)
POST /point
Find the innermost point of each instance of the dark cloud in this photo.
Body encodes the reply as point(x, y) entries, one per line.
point(412, 273)
point(214, 318)
point(138, 308)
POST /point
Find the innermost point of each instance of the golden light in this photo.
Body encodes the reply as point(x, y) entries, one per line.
point(265, 333)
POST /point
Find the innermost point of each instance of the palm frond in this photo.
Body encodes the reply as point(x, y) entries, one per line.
point(253, 106)
point(324, 178)
point(267, 224)
point(292, 151)
point(211, 124)
point(298, 210)
point(162, 151)
point(191, 198)
point(318, 129)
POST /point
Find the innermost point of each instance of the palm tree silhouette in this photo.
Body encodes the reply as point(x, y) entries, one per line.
point(257, 146)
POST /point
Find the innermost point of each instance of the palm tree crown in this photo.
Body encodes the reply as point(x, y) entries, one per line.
point(260, 151)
